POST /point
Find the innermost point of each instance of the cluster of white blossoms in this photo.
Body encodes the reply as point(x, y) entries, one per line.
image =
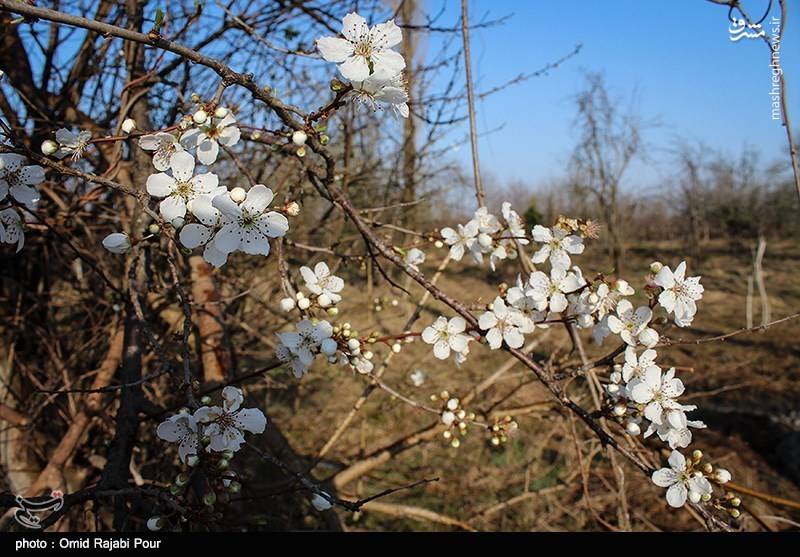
point(207, 214)
point(217, 428)
point(485, 234)
point(365, 57)
point(17, 179)
point(639, 393)
point(313, 336)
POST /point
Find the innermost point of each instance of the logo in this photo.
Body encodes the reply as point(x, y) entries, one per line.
point(27, 511)
point(739, 29)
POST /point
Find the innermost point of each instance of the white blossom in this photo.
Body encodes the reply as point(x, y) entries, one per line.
point(72, 143)
point(306, 339)
point(558, 245)
point(182, 187)
point(657, 393)
point(164, 146)
point(636, 367)
point(207, 138)
point(675, 437)
point(378, 93)
point(292, 360)
point(680, 482)
point(249, 225)
point(364, 51)
point(225, 425)
point(631, 325)
point(446, 336)
point(16, 178)
point(680, 293)
point(554, 288)
point(463, 238)
point(524, 299)
point(321, 282)
point(504, 324)
point(182, 429)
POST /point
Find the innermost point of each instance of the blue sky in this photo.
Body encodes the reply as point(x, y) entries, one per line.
point(676, 57)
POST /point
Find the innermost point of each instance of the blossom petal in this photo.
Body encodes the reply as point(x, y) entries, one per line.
point(676, 495)
point(172, 207)
point(182, 165)
point(258, 198)
point(194, 235)
point(160, 185)
point(355, 68)
point(207, 151)
point(334, 49)
point(252, 420)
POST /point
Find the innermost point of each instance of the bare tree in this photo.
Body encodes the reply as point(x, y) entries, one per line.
point(610, 139)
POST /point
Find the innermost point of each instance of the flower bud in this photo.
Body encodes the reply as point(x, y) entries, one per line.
point(333, 311)
point(299, 138)
point(452, 404)
point(612, 388)
point(177, 222)
point(304, 303)
point(324, 300)
point(238, 194)
point(697, 455)
point(154, 228)
point(694, 496)
point(320, 503)
point(615, 377)
point(448, 417)
point(368, 355)
point(396, 347)
point(353, 344)
point(209, 498)
point(221, 112)
point(301, 151)
point(128, 125)
point(329, 346)
point(723, 476)
point(633, 428)
point(49, 147)
point(484, 240)
point(438, 244)
point(593, 298)
point(287, 304)
point(619, 410)
point(293, 209)
point(117, 242)
point(200, 116)
point(655, 267)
